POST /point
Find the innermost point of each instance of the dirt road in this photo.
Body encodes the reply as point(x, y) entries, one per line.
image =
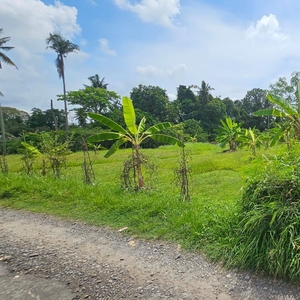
point(97, 263)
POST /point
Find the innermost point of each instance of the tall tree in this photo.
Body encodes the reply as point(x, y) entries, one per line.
point(43, 120)
point(151, 99)
point(96, 82)
point(62, 47)
point(92, 99)
point(3, 57)
point(255, 100)
point(284, 89)
point(204, 93)
point(185, 102)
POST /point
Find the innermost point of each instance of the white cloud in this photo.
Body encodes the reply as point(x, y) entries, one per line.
point(160, 12)
point(265, 28)
point(152, 71)
point(104, 46)
point(29, 23)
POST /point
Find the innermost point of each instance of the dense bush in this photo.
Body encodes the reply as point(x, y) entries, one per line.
point(267, 233)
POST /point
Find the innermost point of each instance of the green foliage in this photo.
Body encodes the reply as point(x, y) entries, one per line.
point(14, 121)
point(210, 116)
point(253, 101)
point(193, 131)
point(134, 134)
point(40, 120)
point(3, 57)
point(153, 213)
point(284, 109)
point(229, 133)
point(284, 89)
point(266, 235)
point(91, 99)
point(29, 156)
point(152, 100)
point(251, 140)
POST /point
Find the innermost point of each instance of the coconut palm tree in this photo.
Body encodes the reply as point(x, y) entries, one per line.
point(62, 47)
point(4, 57)
point(97, 83)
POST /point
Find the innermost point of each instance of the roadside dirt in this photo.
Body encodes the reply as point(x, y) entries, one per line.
point(98, 263)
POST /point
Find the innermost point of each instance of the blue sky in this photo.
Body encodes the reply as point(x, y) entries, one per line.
point(232, 45)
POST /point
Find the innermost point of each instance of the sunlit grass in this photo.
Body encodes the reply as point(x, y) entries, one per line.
point(157, 213)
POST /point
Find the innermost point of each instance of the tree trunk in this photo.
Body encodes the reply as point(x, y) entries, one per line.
point(66, 106)
point(53, 115)
point(3, 133)
point(141, 182)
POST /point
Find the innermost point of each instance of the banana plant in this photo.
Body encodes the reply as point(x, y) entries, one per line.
point(134, 134)
point(251, 140)
point(284, 109)
point(229, 133)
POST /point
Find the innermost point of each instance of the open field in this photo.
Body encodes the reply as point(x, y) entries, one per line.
point(156, 213)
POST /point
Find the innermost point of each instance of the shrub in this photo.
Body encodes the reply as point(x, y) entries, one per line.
point(267, 236)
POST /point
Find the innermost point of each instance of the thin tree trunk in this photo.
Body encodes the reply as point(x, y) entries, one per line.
point(3, 133)
point(66, 106)
point(141, 182)
point(53, 115)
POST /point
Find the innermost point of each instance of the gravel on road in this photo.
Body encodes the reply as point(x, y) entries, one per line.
point(99, 263)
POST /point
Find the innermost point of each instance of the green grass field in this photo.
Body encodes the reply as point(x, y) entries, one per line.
point(157, 213)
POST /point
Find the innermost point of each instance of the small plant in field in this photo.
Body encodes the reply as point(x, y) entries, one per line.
point(29, 156)
point(182, 176)
point(266, 138)
point(129, 176)
point(229, 133)
point(252, 141)
point(267, 235)
point(134, 134)
point(55, 152)
point(4, 164)
point(88, 170)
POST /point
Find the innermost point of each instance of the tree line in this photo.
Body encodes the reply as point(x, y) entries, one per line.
point(195, 108)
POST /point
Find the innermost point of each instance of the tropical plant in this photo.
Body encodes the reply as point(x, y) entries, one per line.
point(229, 133)
point(3, 57)
point(92, 99)
point(29, 155)
point(286, 110)
point(267, 229)
point(134, 134)
point(251, 140)
point(7, 60)
point(96, 82)
point(62, 47)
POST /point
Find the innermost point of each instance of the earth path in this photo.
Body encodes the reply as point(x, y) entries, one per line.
point(98, 263)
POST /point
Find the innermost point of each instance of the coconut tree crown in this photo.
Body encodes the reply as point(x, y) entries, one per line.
point(62, 47)
point(3, 57)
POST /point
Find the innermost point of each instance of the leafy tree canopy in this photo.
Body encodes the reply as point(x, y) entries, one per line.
point(151, 99)
point(92, 99)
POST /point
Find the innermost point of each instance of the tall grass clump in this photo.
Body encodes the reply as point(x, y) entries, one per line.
point(266, 234)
